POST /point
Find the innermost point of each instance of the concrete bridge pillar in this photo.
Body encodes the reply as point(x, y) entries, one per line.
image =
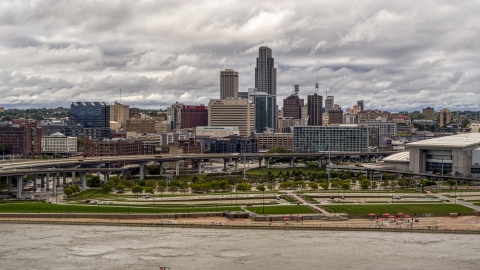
point(260, 162)
point(19, 186)
point(236, 164)
point(267, 162)
point(225, 161)
point(64, 178)
point(73, 177)
point(319, 161)
point(35, 182)
point(160, 168)
point(47, 176)
point(177, 167)
point(124, 175)
point(200, 167)
point(143, 170)
point(83, 182)
point(292, 162)
point(54, 185)
point(42, 180)
point(58, 179)
point(106, 177)
point(9, 184)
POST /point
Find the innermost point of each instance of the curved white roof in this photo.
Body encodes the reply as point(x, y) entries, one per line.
point(398, 157)
point(455, 141)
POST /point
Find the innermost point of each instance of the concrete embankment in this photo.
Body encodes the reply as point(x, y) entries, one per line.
point(113, 221)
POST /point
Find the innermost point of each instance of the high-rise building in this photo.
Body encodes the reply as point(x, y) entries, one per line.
point(174, 115)
point(228, 83)
point(265, 73)
point(119, 113)
point(328, 103)
point(292, 105)
point(348, 138)
point(193, 116)
point(428, 113)
point(265, 110)
point(360, 103)
point(335, 115)
point(445, 117)
point(95, 115)
point(232, 112)
point(314, 104)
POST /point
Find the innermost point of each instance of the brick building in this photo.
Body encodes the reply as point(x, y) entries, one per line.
point(193, 116)
point(22, 137)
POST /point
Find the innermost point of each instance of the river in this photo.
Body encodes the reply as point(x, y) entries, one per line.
point(117, 247)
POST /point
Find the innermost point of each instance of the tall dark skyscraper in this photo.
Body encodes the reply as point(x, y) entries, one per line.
point(360, 103)
point(92, 115)
point(265, 73)
point(314, 104)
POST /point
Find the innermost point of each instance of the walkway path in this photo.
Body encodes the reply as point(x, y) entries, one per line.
point(299, 199)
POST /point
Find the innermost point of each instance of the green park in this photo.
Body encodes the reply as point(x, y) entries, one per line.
point(304, 189)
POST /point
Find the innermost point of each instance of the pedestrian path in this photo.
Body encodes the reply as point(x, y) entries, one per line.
point(300, 199)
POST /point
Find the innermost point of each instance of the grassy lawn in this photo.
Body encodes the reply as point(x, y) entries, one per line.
point(36, 207)
point(309, 199)
point(281, 210)
point(477, 204)
point(394, 209)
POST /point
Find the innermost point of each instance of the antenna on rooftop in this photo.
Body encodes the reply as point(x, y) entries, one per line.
point(296, 89)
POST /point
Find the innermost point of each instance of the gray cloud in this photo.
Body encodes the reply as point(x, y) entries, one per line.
point(394, 55)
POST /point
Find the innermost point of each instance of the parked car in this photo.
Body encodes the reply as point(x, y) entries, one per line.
point(93, 202)
point(248, 204)
point(86, 201)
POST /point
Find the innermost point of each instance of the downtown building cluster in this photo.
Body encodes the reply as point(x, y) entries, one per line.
point(239, 121)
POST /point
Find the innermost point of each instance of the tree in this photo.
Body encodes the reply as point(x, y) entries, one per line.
point(129, 184)
point(149, 189)
point(137, 189)
point(324, 185)
point(120, 188)
point(244, 186)
point(313, 186)
point(365, 184)
point(184, 187)
point(345, 185)
point(151, 183)
point(107, 187)
point(69, 191)
point(173, 189)
point(93, 181)
point(373, 185)
point(161, 189)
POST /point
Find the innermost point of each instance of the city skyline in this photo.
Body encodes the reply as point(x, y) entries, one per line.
point(394, 56)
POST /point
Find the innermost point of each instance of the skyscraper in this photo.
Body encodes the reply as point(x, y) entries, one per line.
point(328, 103)
point(360, 103)
point(314, 109)
point(292, 105)
point(228, 83)
point(265, 110)
point(92, 115)
point(265, 73)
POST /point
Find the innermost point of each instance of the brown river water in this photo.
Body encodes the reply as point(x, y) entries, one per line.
point(116, 247)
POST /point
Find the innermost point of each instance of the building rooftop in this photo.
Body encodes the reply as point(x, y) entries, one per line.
point(398, 157)
point(455, 141)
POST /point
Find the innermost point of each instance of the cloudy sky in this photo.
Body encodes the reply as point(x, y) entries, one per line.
point(395, 55)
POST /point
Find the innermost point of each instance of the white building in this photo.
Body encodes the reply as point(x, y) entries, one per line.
point(59, 143)
point(216, 132)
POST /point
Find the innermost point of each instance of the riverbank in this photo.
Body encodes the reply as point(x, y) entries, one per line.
point(459, 225)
